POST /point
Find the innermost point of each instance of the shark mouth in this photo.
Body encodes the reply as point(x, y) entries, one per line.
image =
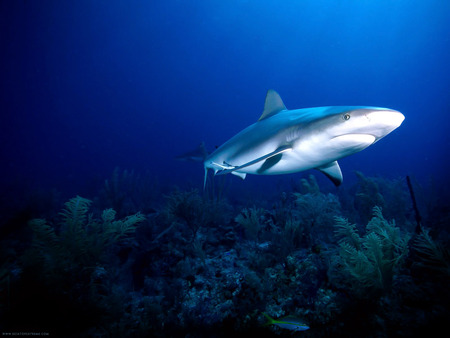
point(353, 140)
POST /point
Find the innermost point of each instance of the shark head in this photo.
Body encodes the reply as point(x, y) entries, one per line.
point(374, 122)
point(352, 129)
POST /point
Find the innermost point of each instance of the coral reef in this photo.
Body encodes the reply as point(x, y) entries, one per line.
point(251, 220)
point(196, 265)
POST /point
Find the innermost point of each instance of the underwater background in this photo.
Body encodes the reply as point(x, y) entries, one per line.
point(104, 233)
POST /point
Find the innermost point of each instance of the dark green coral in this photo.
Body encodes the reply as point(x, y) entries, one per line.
point(78, 240)
point(370, 261)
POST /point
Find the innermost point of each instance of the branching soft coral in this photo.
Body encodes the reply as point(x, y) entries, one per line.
point(371, 260)
point(195, 211)
point(251, 219)
point(432, 255)
point(81, 240)
point(74, 263)
point(315, 212)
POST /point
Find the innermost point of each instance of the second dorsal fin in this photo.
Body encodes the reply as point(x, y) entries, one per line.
point(273, 105)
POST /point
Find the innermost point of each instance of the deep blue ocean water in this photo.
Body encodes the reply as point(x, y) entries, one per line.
point(88, 86)
point(91, 86)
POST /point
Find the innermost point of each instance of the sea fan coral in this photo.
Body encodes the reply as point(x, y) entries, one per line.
point(81, 240)
point(371, 260)
point(432, 255)
point(251, 219)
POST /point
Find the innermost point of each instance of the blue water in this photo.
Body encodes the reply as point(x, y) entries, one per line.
point(90, 86)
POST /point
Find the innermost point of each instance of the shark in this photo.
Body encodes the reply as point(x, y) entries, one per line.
point(285, 141)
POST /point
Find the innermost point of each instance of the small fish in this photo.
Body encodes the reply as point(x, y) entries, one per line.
point(288, 322)
point(264, 246)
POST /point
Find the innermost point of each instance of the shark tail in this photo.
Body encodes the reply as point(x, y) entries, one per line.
point(199, 154)
point(201, 150)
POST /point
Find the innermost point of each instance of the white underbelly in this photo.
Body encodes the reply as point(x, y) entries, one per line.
point(309, 155)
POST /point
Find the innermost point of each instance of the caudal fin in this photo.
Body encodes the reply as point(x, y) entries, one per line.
point(197, 155)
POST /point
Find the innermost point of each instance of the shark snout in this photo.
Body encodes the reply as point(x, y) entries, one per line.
point(397, 118)
point(384, 121)
point(387, 117)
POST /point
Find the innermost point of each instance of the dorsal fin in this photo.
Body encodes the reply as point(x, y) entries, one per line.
point(273, 105)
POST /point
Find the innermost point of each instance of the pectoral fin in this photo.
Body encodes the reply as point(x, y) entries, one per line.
point(259, 159)
point(269, 163)
point(333, 172)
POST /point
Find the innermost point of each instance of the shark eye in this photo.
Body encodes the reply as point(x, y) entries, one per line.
point(346, 116)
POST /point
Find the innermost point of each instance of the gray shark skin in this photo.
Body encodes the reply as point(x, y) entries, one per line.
point(286, 141)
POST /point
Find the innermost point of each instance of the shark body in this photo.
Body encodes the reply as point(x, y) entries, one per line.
point(286, 141)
